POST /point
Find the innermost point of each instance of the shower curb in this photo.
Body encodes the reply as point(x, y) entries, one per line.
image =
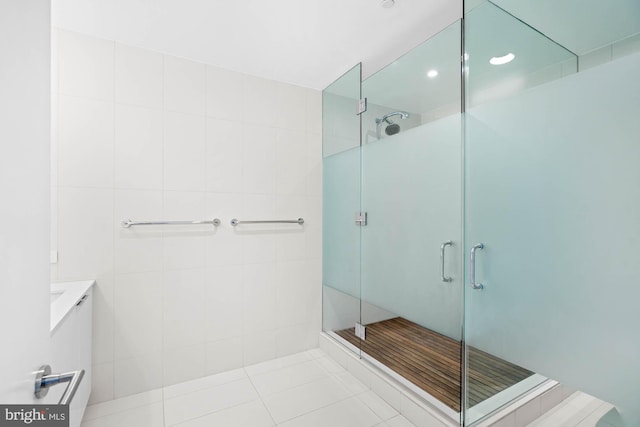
point(519, 413)
point(399, 397)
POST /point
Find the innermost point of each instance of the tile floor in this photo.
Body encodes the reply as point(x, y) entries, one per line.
point(303, 390)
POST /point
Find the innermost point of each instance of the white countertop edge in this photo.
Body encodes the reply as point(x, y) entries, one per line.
point(72, 292)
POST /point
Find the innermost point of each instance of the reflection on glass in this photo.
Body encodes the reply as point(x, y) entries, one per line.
point(505, 56)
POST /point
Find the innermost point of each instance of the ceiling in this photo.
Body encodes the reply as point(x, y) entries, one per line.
point(305, 42)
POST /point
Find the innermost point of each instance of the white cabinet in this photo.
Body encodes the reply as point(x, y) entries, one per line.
point(71, 351)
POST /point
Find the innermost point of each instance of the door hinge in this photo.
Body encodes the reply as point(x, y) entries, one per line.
point(361, 331)
point(362, 105)
point(361, 218)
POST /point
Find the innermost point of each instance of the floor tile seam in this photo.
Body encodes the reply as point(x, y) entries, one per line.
point(310, 352)
point(342, 369)
point(211, 413)
point(119, 411)
point(164, 420)
point(326, 406)
point(163, 399)
point(306, 382)
point(260, 398)
point(278, 369)
point(314, 410)
point(200, 390)
point(112, 414)
point(216, 410)
point(376, 394)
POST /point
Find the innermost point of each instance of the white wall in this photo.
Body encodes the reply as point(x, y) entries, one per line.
point(142, 135)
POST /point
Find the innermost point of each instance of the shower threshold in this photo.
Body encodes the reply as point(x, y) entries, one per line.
point(429, 363)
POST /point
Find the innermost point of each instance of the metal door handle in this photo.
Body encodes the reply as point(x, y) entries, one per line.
point(472, 267)
point(442, 276)
point(45, 379)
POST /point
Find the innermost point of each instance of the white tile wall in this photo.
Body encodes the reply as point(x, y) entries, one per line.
point(261, 101)
point(225, 94)
point(184, 151)
point(137, 250)
point(137, 159)
point(138, 76)
point(184, 308)
point(224, 155)
point(85, 66)
point(138, 314)
point(259, 159)
point(85, 227)
point(141, 135)
point(85, 144)
point(184, 86)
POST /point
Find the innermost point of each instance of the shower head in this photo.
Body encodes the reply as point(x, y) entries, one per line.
point(392, 128)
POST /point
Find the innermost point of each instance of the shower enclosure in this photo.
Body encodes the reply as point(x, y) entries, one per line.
point(393, 205)
point(467, 240)
point(406, 185)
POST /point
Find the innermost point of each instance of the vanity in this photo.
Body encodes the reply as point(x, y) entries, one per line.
point(71, 331)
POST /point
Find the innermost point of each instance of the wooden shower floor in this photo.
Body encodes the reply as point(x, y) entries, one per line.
point(431, 361)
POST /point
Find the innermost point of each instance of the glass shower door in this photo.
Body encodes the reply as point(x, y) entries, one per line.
point(551, 212)
point(412, 243)
point(341, 201)
point(505, 198)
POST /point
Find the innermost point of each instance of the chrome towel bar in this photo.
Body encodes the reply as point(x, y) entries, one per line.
point(300, 221)
point(127, 223)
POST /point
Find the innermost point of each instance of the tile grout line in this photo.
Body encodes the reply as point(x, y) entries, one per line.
point(113, 216)
point(216, 410)
point(162, 209)
point(119, 411)
point(329, 376)
point(259, 396)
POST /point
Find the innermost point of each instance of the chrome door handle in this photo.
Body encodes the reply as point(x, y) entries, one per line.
point(472, 267)
point(45, 379)
point(442, 276)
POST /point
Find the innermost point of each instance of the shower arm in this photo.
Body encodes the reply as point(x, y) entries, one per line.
point(403, 115)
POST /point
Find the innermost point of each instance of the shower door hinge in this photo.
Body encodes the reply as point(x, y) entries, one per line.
point(361, 331)
point(361, 218)
point(362, 105)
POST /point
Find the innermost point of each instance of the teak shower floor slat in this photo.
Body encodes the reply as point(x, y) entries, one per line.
point(431, 361)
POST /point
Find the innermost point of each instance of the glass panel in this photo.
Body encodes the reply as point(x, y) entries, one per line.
point(581, 26)
point(341, 201)
point(551, 192)
point(493, 377)
point(505, 56)
point(412, 192)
